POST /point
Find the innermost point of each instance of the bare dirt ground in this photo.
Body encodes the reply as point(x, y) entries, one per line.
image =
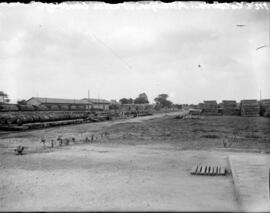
point(142, 164)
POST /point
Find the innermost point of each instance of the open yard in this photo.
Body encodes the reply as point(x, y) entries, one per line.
point(141, 164)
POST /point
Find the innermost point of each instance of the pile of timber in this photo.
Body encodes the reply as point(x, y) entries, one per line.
point(229, 107)
point(20, 118)
point(200, 106)
point(250, 108)
point(39, 125)
point(210, 108)
point(208, 170)
point(265, 107)
point(194, 111)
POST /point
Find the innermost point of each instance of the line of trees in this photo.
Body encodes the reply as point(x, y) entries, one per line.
point(161, 101)
point(141, 99)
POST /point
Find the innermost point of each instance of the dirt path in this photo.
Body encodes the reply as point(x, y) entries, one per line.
point(114, 177)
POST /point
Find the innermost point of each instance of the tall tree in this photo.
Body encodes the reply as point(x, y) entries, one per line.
point(123, 101)
point(126, 101)
point(130, 101)
point(162, 101)
point(141, 99)
point(4, 98)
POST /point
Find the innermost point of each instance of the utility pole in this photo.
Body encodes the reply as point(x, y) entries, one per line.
point(98, 101)
point(88, 100)
point(269, 30)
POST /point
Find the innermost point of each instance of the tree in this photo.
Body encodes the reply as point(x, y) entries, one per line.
point(130, 101)
point(123, 101)
point(162, 101)
point(4, 98)
point(21, 102)
point(126, 101)
point(178, 106)
point(141, 99)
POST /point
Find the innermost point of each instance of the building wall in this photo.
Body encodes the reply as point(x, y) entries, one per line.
point(100, 106)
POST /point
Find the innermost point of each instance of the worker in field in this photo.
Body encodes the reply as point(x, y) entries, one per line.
point(43, 141)
point(52, 143)
point(67, 141)
point(60, 140)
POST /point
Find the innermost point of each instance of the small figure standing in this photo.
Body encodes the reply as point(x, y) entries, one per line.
point(87, 139)
point(52, 143)
point(43, 141)
point(225, 142)
point(19, 150)
point(60, 140)
point(67, 141)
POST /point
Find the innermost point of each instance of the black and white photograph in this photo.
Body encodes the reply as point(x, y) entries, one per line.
point(135, 106)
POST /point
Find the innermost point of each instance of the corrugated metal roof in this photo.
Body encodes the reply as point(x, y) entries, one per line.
point(68, 101)
point(95, 100)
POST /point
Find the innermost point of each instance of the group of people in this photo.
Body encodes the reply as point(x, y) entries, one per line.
point(66, 141)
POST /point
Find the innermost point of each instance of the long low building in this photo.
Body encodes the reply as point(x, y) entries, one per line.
point(70, 104)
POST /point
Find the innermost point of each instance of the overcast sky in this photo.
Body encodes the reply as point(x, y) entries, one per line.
point(61, 52)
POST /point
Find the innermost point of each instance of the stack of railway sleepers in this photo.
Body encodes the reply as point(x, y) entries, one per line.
point(250, 108)
point(200, 106)
point(194, 111)
point(210, 108)
point(25, 117)
point(208, 170)
point(229, 107)
point(265, 107)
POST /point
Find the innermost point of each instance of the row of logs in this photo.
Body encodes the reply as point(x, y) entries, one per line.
point(21, 118)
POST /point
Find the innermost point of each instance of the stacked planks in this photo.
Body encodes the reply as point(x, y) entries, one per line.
point(229, 107)
point(208, 170)
point(250, 108)
point(200, 106)
point(265, 107)
point(210, 108)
